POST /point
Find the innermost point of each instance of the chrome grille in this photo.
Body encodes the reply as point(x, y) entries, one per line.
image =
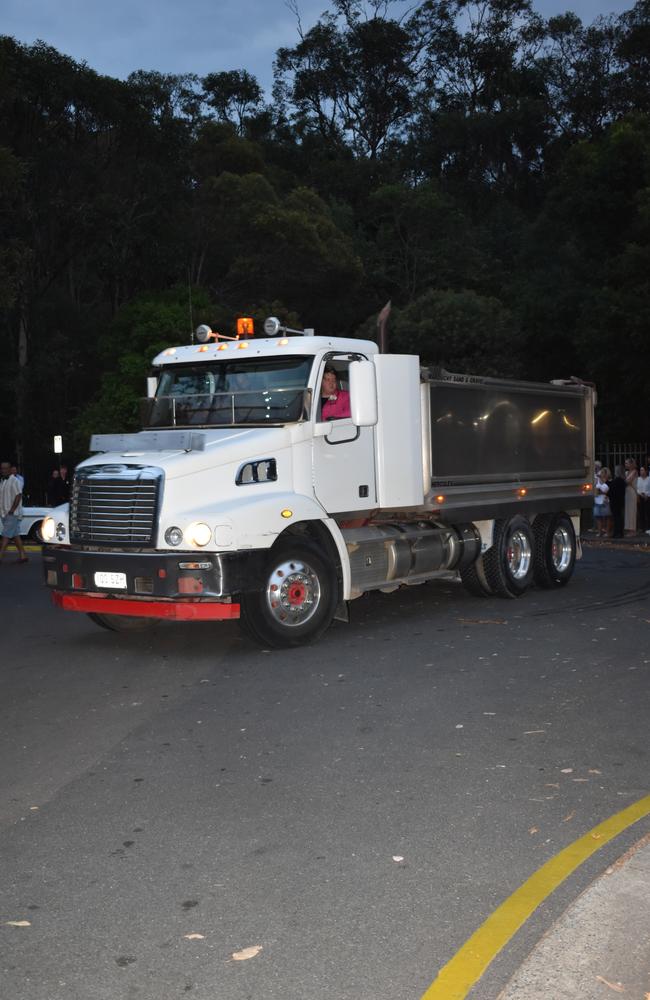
point(114, 504)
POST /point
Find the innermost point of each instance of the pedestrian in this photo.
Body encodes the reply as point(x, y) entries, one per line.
point(601, 503)
point(631, 476)
point(617, 489)
point(51, 489)
point(57, 492)
point(643, 498)
point(21, 479)
point(11, 510)
point(63, 472)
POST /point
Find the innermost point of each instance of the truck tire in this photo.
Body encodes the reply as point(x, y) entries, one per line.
point(474, 580)
point(297, 600)
point(123, 623)
point(509, 562)
point(555, 550)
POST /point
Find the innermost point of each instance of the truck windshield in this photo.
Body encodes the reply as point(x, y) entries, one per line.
point(259, 391)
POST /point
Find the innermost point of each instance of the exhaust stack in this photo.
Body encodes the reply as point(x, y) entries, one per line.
point(382, 325)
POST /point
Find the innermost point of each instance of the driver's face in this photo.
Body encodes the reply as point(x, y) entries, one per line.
point(329, 384)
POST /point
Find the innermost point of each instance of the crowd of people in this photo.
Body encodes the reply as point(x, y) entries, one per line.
point(622, 500)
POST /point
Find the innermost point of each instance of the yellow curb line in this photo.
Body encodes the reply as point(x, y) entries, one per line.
point(462, 972)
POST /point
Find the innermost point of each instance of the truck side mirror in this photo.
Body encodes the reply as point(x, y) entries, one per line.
point(152, 385)
point(363, 393)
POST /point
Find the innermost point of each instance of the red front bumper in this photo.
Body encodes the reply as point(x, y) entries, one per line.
point(176, 610)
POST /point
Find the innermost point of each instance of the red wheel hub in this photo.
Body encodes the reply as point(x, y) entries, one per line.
point(296, 594)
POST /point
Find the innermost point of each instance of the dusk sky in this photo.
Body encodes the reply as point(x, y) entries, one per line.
point(116, 37)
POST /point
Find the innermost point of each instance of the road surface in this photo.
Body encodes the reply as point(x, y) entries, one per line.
point(340, 817)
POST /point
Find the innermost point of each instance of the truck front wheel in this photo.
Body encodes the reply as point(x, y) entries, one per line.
point(123, 623)
point(555, 550)
point(509, 562)
point(297, 600)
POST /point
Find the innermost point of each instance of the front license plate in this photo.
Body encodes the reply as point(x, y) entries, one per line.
point(116, 581)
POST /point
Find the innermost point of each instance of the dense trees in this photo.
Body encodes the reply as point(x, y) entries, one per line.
point(486, 169)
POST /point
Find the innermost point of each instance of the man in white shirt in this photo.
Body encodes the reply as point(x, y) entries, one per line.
point(11, 509)
point(21, 479)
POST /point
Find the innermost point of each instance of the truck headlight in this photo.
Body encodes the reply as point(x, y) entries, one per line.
point(199, 534)
point(173, 536)
point(48, 528)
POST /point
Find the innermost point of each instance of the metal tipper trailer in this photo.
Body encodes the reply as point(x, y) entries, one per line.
point(237, 500)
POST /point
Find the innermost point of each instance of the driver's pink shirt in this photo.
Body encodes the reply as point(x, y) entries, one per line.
point(335, 409)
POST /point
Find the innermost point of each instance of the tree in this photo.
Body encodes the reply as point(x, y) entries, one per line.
point(585, 296)
point(461, 331)
point(352, 77)
point(578, 63)
point(631, 83)
point(419, 239)
point(235, 95)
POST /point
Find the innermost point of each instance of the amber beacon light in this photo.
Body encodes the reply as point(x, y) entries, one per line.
point(245, 327)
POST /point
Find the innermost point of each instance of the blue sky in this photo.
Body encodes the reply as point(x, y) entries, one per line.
point(201, 36)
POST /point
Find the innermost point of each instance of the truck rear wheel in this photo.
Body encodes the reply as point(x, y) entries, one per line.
point(123, 623)
point(297, 601)
point(474, 580)
point(509, 562)
point(555, 550)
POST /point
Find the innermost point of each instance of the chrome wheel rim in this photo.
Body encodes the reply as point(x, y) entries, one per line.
point(519, 553)
point(561, 549)
point(293, 593)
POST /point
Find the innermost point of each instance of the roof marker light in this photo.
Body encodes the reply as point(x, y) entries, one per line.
point(203, 349)
point(243, 345)
point(222, 347)
point(169, 351)
point(283, 342)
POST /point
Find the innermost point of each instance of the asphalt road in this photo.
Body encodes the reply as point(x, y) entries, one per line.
point(350, 811)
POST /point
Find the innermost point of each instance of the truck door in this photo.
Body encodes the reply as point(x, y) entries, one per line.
point(343, 458)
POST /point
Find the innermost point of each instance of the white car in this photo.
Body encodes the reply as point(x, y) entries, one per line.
point(30, 523)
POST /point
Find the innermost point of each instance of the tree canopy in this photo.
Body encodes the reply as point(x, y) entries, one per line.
point(485, 168)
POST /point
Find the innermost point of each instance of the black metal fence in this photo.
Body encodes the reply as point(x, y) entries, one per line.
point(612, 454)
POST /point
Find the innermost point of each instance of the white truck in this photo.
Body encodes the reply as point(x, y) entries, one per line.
point(238, 500)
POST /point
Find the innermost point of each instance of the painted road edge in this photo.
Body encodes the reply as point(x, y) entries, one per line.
point(462, 972)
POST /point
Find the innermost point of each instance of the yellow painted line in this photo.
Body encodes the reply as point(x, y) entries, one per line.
point(462, 972)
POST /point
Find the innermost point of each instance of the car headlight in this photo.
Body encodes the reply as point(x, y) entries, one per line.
point(48, 529)
point(173, 536)
point(199, 534)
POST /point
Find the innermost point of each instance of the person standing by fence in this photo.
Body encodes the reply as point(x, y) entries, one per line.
point(617, 491)
point(601, 503)
point(643, 494)
point(631, 476)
